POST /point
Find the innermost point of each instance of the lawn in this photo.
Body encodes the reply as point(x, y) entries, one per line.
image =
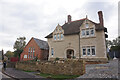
point(57, 76)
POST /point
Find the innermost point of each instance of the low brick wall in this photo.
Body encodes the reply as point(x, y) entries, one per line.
point(68, 67)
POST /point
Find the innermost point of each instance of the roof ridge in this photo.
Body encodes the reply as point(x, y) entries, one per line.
point(79, 20)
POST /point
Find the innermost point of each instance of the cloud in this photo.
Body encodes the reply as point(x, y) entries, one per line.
point(37, 18)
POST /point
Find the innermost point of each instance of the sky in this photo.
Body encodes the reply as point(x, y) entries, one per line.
point(38, 18)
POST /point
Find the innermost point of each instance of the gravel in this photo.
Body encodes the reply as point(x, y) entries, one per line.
point(109, 70)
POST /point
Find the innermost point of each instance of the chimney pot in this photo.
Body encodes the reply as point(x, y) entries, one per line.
point(69, 18)
point(101, 18)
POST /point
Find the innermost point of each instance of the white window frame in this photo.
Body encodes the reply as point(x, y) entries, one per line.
point(25, 56)
point(89, 52)
point(93, 47)
point(83, 51)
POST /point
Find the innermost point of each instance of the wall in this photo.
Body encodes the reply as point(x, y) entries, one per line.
point(60, 47)
point(68, 67)
point(98, 40)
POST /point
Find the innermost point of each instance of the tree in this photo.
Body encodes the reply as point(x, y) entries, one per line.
point(20, 43)
point(9, 54)
point(114, 44)
point(18, 46)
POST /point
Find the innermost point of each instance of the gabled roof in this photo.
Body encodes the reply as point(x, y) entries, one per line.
point(42, 44)
point(74, 27)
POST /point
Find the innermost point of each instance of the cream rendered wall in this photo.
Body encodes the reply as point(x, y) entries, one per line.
point(61, 46)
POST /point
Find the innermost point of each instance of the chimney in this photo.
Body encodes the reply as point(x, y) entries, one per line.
point(69, 18)
point(101, 18)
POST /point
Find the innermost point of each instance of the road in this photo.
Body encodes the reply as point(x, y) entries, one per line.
point(3, 76)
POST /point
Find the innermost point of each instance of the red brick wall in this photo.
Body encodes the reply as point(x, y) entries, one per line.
point(38, 51)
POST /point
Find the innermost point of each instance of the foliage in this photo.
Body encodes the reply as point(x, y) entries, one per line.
point(114, 44)
point(18, 46)
point(58, 76)
point(17, 53)
point(9, 54)
point(73, 57)
point(56, 59)
point(115, 48)
point(19, 43)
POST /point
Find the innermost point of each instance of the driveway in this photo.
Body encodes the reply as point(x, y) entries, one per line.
point(109, 70)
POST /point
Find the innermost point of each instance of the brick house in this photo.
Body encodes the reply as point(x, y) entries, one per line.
point(35, 48)
point(79, 39)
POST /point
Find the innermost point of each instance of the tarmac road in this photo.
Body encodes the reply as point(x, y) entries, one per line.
point(3, 76)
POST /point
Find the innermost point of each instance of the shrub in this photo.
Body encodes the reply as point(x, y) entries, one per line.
point(56, 59)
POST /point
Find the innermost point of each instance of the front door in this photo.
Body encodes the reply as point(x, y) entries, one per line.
point(70, 53)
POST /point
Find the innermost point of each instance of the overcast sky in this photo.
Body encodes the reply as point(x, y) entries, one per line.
point(37, 18)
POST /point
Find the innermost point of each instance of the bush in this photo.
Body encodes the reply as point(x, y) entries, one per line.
point(56, 59)
point(73, 57)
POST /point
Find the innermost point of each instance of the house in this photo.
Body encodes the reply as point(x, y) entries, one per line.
point(35, 48)
point(79, 39)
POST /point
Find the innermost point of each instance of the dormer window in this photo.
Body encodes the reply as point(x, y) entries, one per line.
point(86, 25)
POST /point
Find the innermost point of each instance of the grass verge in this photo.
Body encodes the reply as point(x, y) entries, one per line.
point(57, 76)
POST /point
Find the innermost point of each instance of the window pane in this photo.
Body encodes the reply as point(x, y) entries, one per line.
point(88, 51)
point(84, 51)
point(58, 36)
point(87, 32)
point(54, 37)
point(52, 52)
point(29, 50)
point(25, 56)
point(83, 32)
point(33, 49)
point(93, 50)
point(61, 36)
point(87, 25)
point(92, 31)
